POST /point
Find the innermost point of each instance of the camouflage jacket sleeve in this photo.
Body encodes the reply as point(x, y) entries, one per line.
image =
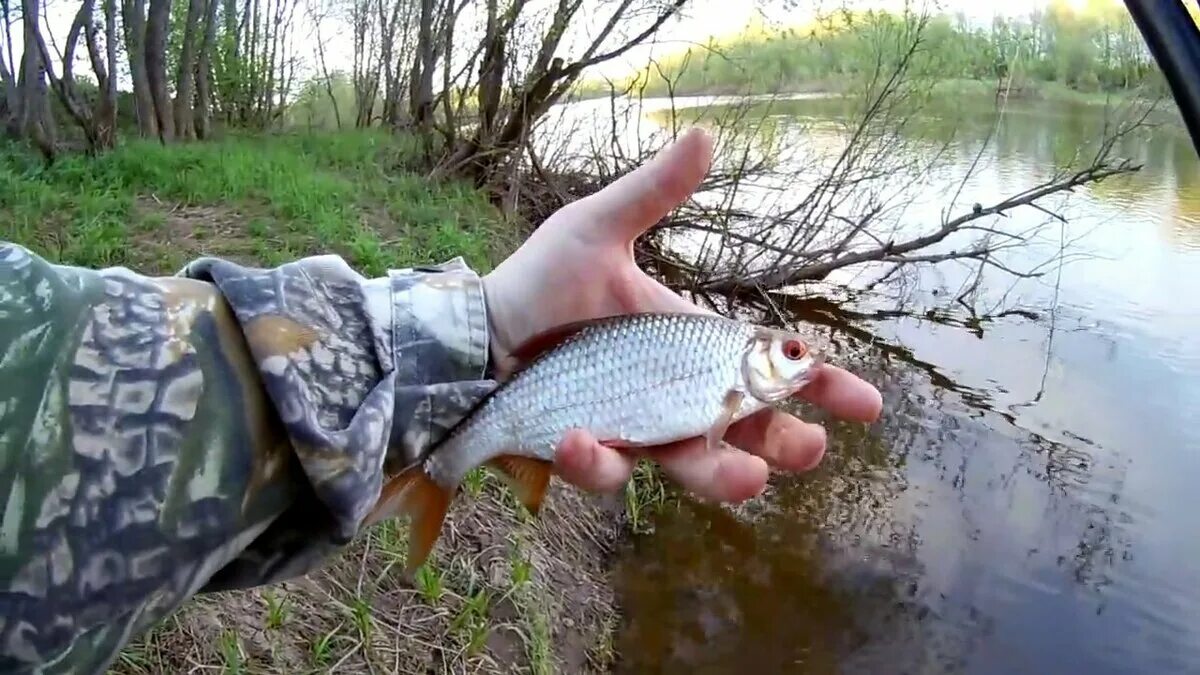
point(222, 428)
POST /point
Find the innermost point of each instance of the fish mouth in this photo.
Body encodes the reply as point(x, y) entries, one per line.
point(809, 374)
point(816, 364)
point(765, 379)
point(782, 389)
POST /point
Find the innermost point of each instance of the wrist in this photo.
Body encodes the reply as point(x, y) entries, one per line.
point(498, 349)
point(502, 317)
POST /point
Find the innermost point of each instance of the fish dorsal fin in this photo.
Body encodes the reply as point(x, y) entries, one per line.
point(540, 343)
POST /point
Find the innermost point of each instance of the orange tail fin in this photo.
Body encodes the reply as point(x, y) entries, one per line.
point(414, 494)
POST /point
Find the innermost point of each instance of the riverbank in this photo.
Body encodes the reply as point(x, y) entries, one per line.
point(1033, 90)
point(504, 592)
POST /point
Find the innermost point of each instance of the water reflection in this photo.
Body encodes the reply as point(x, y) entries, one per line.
point(927, 541)
point(1026, 502)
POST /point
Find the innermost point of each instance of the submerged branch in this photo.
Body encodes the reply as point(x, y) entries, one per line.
point(792, 201)
point(804, 270)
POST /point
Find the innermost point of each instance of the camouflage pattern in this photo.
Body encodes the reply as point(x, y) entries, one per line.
point(223, 428)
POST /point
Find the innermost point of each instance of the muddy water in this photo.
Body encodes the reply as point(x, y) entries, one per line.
point(1029, 501)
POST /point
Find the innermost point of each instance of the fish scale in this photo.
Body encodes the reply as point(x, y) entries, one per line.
point(645, 380)
point(634, 380)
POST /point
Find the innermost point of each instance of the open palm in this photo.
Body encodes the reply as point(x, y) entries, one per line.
point(579, 265)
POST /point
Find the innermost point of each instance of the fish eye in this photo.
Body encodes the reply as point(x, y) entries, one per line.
point(794, 350)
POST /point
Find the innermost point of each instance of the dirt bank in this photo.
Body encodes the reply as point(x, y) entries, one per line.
point(503, 594)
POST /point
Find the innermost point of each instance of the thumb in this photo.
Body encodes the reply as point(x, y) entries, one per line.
point(631, 204)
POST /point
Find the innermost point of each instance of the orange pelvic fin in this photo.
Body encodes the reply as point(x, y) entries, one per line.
point(413, 494)
point(525, 476)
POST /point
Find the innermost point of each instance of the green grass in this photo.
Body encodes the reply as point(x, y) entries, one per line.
point(277, 608)
point(645, 493)
point(231, 652)
point(430, 583)
point(530, 601)
point(471, 623)
point(262, 200)
point(323, 648)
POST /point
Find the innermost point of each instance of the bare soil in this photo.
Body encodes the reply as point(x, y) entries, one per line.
point(471, 610)
point(167, 235)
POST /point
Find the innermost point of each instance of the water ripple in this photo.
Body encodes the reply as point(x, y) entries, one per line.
point(1026, 502)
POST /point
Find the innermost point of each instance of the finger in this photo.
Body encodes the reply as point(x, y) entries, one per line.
point(630, 205)
point(844, 394)
point(658, 295)
point(723, 475)
point(581, 460)
point(784, 441)
point(639, 292)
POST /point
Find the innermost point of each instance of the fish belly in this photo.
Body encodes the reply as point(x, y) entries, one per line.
point(666, 412)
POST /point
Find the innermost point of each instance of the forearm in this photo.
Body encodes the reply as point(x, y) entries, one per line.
point(224, 428)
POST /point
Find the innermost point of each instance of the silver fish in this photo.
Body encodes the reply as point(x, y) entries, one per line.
point(632, 381)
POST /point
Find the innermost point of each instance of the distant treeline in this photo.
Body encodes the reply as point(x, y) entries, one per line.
point(1091, 48)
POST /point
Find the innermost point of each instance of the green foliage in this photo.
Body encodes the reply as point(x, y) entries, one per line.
point(431, 583)
point(644, 494)
point(322, 648)
point(472, 622)
point(474, 480)
point(274, 197)
point(1095, 48)
point(315, 108)
point(277, 608)
point(360, 614)
point(537, 646)
point(231, 652)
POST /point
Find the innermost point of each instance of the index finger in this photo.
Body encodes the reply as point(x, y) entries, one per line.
point(844, 394)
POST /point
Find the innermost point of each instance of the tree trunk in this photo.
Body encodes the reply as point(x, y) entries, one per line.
point(104, 113)
point(64, 87)
point(33, 119)
point(387, 29)
point(8, 95)
point(491, 73)
point(8, 78)
point(250, 58)
point(421, 102)
point(156, 66)
point(185, 120)
point(478, 156)
point(8, 63)
point(275, 12)
point(203, 113)
point(134, 15)
point(231, 49)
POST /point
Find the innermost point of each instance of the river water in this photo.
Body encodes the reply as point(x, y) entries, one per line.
point(1029, 500)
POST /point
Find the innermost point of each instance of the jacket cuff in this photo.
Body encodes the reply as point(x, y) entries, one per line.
point(439, 346)
point(439, 324)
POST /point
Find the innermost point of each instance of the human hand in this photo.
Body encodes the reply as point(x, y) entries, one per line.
point(579, 265)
